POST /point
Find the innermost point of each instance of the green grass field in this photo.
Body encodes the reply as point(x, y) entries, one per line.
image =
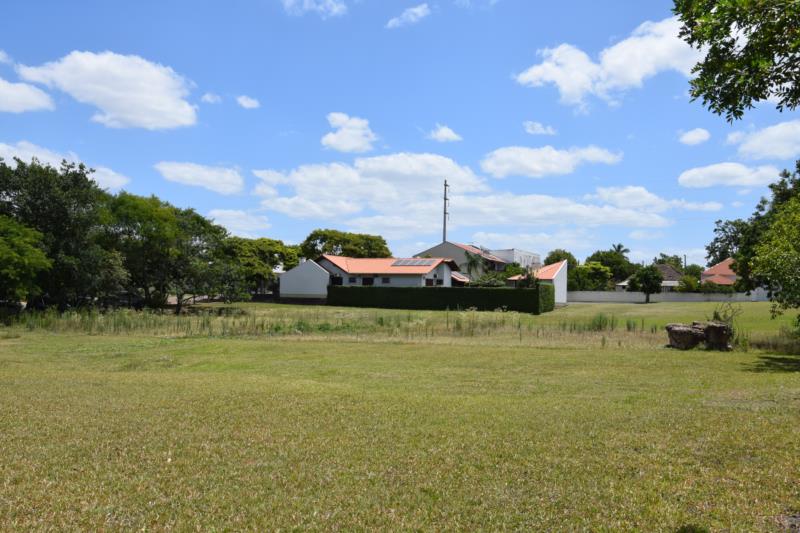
point(279, 417)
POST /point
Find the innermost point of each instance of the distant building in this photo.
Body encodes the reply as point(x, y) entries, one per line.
point(527, 260)
point(721, 273)
point(458, 253)
point(310, 279)
point(555, 275)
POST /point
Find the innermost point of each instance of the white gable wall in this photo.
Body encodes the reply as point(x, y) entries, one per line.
point(306, 280)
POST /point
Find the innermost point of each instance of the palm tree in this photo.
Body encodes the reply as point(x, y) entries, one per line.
point(474, 263)
point(620, 249)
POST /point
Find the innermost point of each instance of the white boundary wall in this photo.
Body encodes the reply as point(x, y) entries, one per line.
point(759, 295)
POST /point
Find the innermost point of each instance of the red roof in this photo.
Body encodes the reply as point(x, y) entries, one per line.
point(477, 251)
point(387, 265)
point(549, 272)
point(719, 280)
point(722, 268)
point(458, 276)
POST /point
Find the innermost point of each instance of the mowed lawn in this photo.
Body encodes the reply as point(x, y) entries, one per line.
point(304, 432)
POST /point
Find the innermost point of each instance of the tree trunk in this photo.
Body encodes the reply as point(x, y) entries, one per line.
point(647, 297)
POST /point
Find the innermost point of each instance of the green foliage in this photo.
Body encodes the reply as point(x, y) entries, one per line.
point(709, 287)
point(592, 276)
point(21, 260)
point(547, 297)
point(258, 259)
point(777, 258)
point(68, 209)
point(329, 241)
point(513, 269)
point(559, 255)
point(740, 239)
point(621, 269)
point(675, 261)
point(752, 52)
point(694, 271)
point(688, 284)
point(536, 300)
point(490, 279)
point(647, 280)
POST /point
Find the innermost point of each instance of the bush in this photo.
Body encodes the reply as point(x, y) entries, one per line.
point(537, 300)
point(709, 287)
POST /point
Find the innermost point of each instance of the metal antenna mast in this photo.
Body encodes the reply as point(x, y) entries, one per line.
point(446, 213)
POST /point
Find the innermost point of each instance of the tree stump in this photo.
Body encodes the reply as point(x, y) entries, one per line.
point(718, 336)
point(683, 337)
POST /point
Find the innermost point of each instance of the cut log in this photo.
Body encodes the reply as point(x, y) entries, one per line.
point(683, 337)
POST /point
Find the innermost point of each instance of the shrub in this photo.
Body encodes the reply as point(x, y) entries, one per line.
point(537, 300)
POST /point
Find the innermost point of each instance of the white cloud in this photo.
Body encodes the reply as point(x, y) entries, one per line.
point(218, 179)
point(653, 47)
point(5, 58)
point(247, 102)
point(637, 197)
point(352, 134)
point(386, 184)
point(240, 223)
point(695, 136)
point(781, 141)
point(544, 161)
point(443, 134)
point(130, 92)
point(412, 15)
point(21, 97)
point(211, 98)
point(729, 174)
point(324, 8)
point(24, 150)
point(537, 128)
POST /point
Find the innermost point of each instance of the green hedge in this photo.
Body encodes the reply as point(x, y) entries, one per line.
point(536, 300)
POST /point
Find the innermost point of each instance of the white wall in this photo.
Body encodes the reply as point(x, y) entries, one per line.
point(307, 280)
point(560, 282)
point(521, 257)
point(758, 295)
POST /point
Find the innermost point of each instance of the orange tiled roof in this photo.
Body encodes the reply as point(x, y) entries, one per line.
point(719, 280)
point(723, 268)
point(549, 272)
point(358, 265)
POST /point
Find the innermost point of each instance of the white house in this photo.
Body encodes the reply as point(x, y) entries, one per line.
point(306, 281)
point(310, 279)
point(555, 275)
point(527, 260)
point(458, 253)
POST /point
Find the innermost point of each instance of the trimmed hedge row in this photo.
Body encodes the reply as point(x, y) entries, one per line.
point(535, 300)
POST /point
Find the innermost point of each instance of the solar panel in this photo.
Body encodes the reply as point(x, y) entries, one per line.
point(414, 262)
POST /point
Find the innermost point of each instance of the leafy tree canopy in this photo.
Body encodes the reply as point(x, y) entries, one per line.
point(592, 276)
point(621, 268)
point(329, 241)
point(647, 280)
point(777, 257)
point(752, 52)
point(739, 238)
point(21, 260)
point(558, 255)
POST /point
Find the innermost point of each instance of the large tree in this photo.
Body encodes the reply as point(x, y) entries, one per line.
point(647, 280)
point(592, 276)
point(752, 52)
point(329, 241)
point(739, 238)
point(621, 268)
point(21, 260)
point(675, 261)
point(68, 208)
point(777, 257)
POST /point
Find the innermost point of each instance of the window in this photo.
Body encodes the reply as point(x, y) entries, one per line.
point(351, 280)
point(386, 281)
point(367, 281)
point(336, 280)
point(428, 282)
point(440, 282)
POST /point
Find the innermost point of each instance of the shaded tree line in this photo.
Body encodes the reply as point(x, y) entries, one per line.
point(65, 242)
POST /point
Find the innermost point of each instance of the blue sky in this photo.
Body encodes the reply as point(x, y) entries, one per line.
point(558, 124)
